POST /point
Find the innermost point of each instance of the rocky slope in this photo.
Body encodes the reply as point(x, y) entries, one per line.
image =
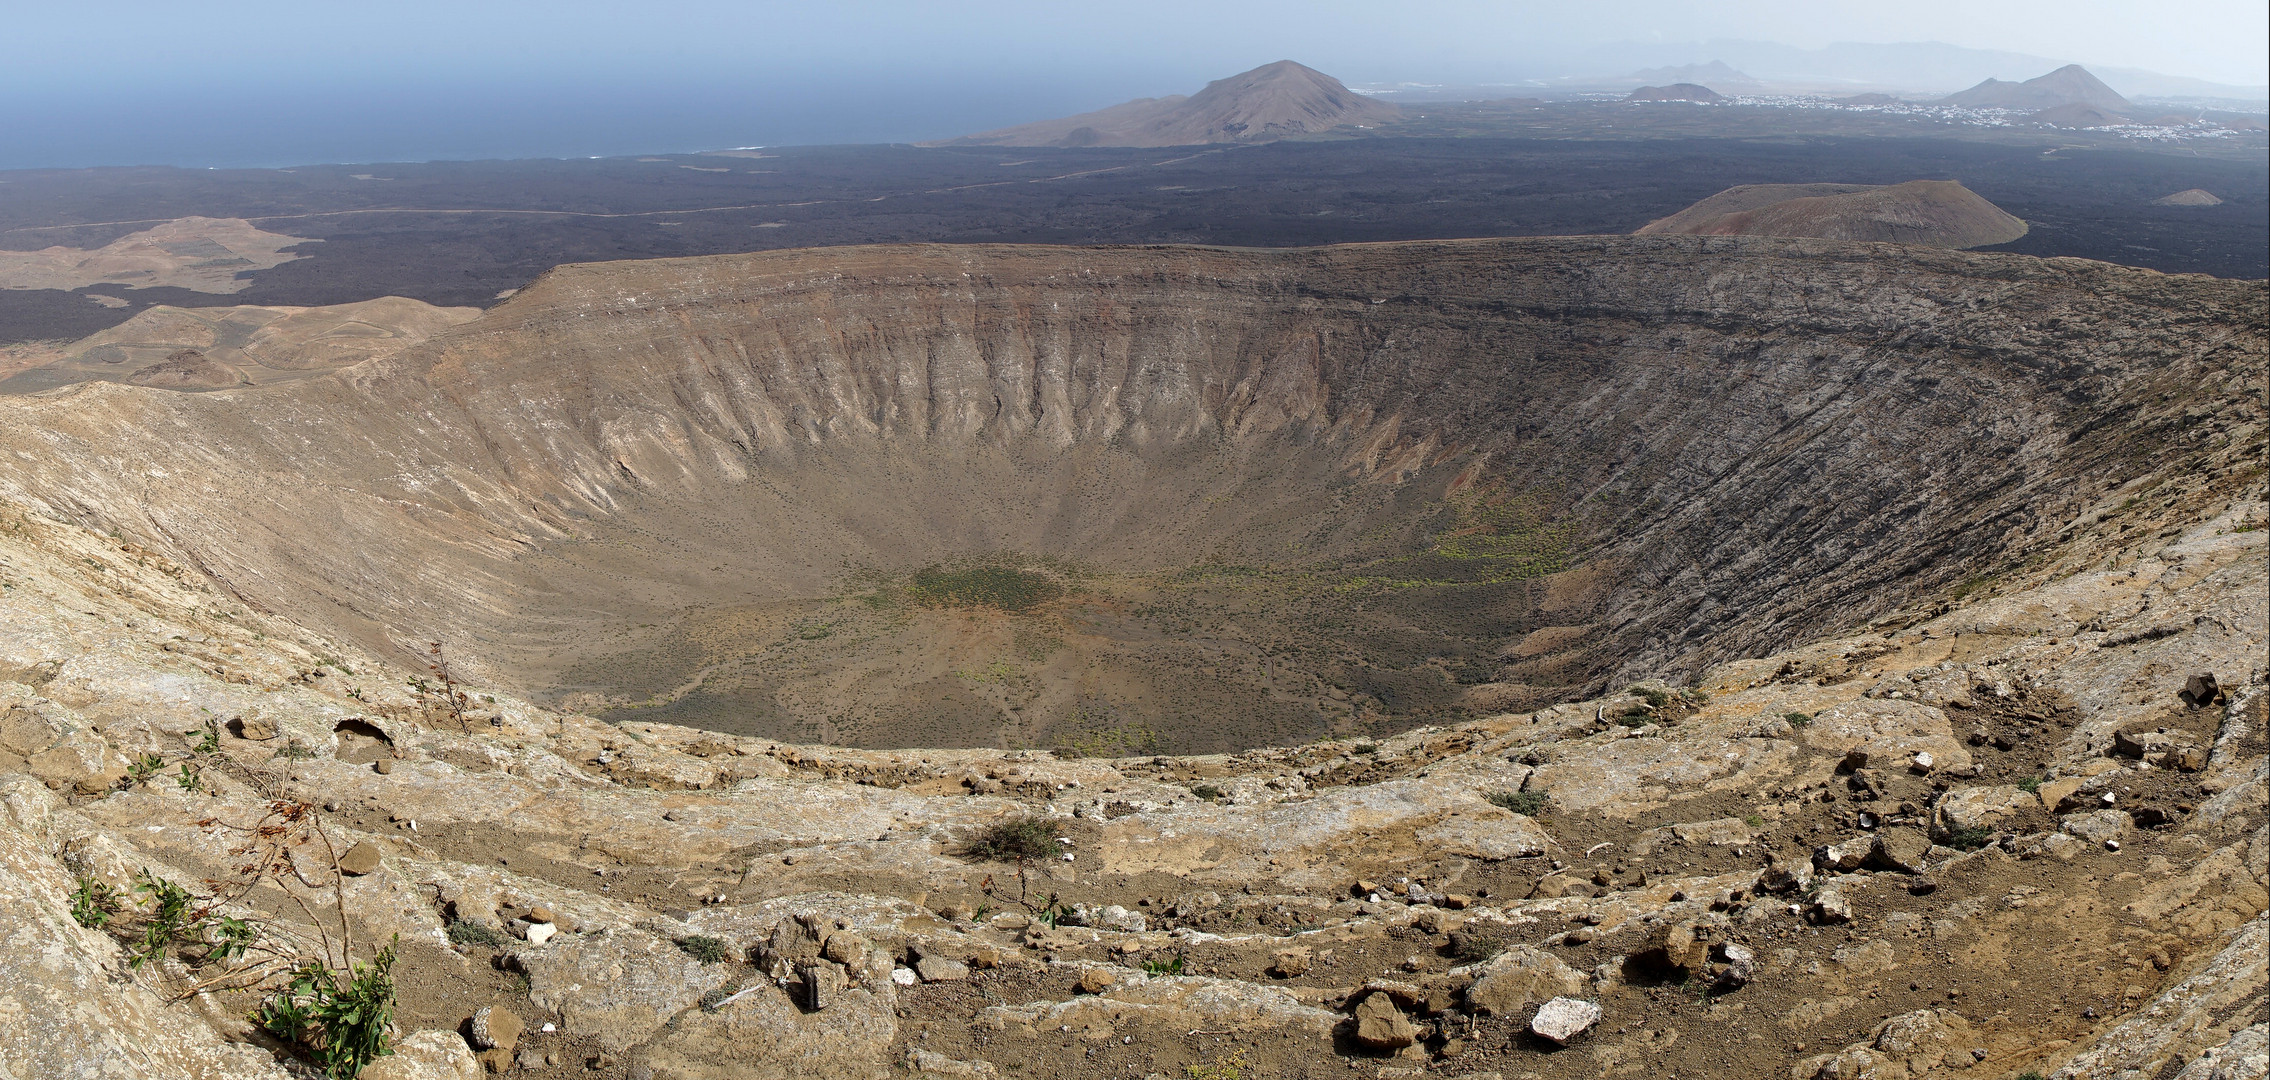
point(251, 345)
point(1364, 485)
point(2014, 835)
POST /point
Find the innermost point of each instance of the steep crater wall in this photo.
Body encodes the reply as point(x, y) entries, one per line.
point(1284, 493)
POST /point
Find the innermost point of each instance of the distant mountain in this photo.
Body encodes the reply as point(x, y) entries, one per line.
point(1715, 74)
point(2068, 85)
point(1274, 101)
point(1914, 67)
point(1934, 213)
point(1676, 92)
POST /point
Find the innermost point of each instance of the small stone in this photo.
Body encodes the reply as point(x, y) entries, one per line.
point(495, 1061)
point(1096, 980)
point(1830, 906)
point(1923, 763)
point(382, 766)
point(1290, 963)
point(253, 729)
point(541, 932)
point(904, 976)
point(1563, 1019)
point(1382, 1026)
point(363, 858)
point(1848, 855)
point(540, 913)
point(940, 969)
point(1740, 965)
point(495, 1027)
point(2201, 689)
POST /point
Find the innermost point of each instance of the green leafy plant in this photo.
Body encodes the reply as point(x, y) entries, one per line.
point(1367, 749)
point(143, 768)
point(93, 903)
point(208, 739)
point(339, 1019)
point(707, 949)
point(190, 779)
point(1654, 697)
point(1753, 821)
point(1164, 967)
point(1207, 792)
point(172, 919)
point(1017, 839)
point(1797, 719)
point(2030, 785)
point(1525, 803)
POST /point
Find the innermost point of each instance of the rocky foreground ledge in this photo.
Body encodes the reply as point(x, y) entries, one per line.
point(2018, 833)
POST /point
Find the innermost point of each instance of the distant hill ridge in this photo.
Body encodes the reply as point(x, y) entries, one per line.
point(1270, 102)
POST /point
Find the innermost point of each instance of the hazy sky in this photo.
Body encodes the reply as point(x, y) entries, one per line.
point(133, 80)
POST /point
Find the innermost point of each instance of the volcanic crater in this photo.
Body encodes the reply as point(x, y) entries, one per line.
point(1167, 499)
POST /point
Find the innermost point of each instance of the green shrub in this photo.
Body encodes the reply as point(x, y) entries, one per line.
point(705, 948)
point(1797, 719)
point(1017, 839)
point(1164, 967)
point(1472, 946)
point(1525, 803)
point(339, 1020)
point(475, 934)
point(1207, 792)
point(2030, 785)
point(1005, 588)
point(1654, 697)
point(1970, 839)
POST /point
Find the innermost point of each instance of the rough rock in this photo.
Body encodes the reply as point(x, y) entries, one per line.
point(1978, 807)
point(616, 987)
point(426, 1055)
point(2098, 826)
point(1382, 1026)
point(1521, 978)
point(361, 859)
point(1563, 1019)
point(495, 1027)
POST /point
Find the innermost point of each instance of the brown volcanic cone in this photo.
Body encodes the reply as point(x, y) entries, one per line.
point(1270, 102)
point(188, 370)
point(1934, 213)
point(2189, 197)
